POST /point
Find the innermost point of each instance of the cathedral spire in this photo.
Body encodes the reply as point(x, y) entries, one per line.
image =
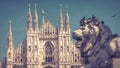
point(60, 19)
point(43, 20)
point(10, 31)
point(35, 17)
point(67, 19)
point(9, 48)
point(29, 10)
point(67, 10)
point(29, 21)
point(60, 11)
point(10, 39)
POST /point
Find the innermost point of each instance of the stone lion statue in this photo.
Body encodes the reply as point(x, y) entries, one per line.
point(96, 43)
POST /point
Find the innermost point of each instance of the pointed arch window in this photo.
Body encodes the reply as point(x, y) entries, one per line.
point(49, 52)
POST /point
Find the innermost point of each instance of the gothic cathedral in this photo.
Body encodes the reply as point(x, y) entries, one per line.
point(44, 47)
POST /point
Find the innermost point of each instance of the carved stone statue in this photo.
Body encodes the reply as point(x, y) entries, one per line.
point(96, 43)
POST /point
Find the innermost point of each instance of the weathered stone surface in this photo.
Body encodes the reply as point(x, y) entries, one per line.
point(97, 44)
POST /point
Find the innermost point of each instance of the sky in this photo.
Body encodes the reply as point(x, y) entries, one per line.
point(17, 10)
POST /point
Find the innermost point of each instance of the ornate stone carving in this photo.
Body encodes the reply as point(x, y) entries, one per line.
point(96, 43)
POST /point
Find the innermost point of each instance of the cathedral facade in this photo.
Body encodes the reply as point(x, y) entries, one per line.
point(46, 46)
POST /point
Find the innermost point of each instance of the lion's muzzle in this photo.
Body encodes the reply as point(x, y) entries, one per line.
point(78, 38)
point(77, 35)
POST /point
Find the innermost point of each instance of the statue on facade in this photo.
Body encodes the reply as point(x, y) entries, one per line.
point(96, 43)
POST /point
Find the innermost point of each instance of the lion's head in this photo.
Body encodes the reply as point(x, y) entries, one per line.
point(90, 33)
point(88, 28)
point(96, 43)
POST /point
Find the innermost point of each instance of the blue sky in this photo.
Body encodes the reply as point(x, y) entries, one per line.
point(16, 11)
